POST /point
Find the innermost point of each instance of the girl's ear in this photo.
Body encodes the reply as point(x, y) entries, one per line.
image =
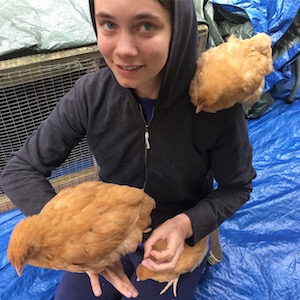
point(92, 14)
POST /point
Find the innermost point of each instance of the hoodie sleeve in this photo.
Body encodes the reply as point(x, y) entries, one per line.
point(24, 178)
point(231, 164)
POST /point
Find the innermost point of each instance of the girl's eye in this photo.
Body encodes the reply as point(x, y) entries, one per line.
point(109, 26)
point(147, 27)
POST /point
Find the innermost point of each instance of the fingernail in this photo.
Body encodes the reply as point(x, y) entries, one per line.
point(97, 292)
point(146, 263)
point(135, 294)
point(128, 294)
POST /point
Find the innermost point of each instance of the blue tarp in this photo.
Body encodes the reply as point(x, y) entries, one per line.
point(261, 242)
point(273, 17)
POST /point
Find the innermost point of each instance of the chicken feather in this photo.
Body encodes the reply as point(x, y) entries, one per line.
point(231, 73)
point(85, 228)
point(189, 260)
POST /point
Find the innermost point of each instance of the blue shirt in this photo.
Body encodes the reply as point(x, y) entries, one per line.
point(148, 106)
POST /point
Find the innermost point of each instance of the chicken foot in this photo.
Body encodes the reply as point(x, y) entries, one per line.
point(173, 282)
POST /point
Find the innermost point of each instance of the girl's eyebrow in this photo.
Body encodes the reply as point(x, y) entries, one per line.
point(104, 15)
point(141, 16)
point(145, 16)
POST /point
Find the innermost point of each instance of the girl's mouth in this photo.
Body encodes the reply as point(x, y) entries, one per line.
point(129, 68)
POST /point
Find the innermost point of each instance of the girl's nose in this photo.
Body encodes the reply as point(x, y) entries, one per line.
point(126, 45)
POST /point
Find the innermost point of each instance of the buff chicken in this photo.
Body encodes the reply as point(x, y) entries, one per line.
point(189, 260)
point(85, 228)
point(231, 73)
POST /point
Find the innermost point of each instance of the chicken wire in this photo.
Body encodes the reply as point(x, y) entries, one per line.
point(28, 94)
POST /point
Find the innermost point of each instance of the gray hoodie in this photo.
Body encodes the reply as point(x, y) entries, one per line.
point(187, 150)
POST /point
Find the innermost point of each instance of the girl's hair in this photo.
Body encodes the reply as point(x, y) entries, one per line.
point(167, 4)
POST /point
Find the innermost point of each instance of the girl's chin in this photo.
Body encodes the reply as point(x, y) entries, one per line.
point(127, 85)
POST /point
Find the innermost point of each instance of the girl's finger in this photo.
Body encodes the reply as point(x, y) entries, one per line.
point(157, 266)
point(95, 283)
point(116, 276)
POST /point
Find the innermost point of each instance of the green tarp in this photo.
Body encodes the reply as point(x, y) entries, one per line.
point(35, 26)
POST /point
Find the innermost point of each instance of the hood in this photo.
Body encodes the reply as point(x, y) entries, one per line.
point(181, 64)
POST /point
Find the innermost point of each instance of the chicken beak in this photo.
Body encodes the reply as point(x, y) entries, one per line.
point(199, 107)
point(19, 271)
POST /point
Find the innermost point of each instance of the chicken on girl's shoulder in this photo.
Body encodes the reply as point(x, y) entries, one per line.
point(231, 73)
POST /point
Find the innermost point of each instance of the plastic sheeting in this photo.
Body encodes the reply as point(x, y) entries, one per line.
point(35, 26)
point(279, 19)
point(35, 283)
point(261, 242)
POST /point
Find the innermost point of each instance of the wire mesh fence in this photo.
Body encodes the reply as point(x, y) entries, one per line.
point(28, 93)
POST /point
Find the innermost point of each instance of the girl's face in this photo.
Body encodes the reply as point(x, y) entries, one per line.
point(134, 38)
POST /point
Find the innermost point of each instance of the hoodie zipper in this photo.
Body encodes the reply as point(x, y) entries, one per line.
point(147, 135)
point(147, 148)
point(147, 143)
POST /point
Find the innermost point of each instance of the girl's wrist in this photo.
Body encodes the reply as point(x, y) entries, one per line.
point(185, 224)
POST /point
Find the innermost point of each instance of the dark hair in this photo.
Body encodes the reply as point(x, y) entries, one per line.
point(167, 4)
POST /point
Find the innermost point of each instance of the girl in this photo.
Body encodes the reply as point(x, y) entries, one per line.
point(143, 131)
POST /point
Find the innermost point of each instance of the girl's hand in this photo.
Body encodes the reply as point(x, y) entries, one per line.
point(174, 231)
point(116, 276)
